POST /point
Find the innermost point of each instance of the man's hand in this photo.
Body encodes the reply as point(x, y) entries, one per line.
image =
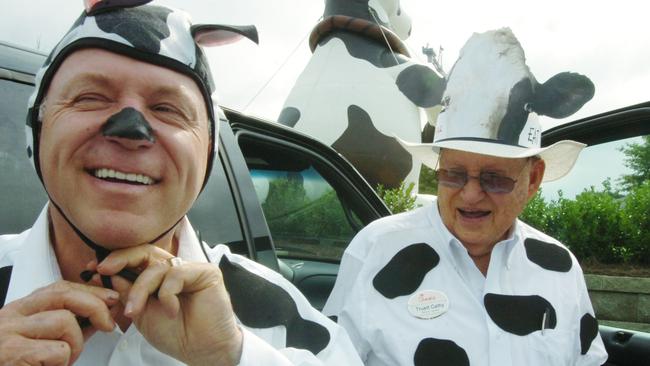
point(190, 319)
point(42, 328)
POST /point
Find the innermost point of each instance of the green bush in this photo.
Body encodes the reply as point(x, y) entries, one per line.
point(590, 225)
point(428, 182)
point(398, 199)
point(635, 217)
point(537, 213)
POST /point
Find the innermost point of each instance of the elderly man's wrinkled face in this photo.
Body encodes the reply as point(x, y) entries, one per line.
point(479, 219)
point(122, 189)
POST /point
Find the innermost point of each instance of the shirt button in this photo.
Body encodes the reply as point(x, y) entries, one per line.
point(124, 345)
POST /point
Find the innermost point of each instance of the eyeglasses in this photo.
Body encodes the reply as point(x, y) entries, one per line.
point(490, 182)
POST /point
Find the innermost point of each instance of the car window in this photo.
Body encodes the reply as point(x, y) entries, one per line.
point(310, 211)
point(214, 214)
point(21, 193)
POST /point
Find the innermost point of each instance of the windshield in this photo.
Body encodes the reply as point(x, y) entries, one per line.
point(606, 41)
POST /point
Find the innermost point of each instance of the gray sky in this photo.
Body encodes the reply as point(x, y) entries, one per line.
point(607, 41)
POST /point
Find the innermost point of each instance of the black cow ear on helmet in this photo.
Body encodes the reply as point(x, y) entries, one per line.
point(210, 35)
point(562, 95)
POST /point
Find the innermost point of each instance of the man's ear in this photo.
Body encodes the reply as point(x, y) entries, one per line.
point(562, 95)
point(209, 35)
point(536, 175)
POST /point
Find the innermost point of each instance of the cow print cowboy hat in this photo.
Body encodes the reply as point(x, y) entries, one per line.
point(492, 102)
point(149, 33)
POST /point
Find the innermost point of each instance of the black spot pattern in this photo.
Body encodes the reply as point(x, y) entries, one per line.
point(421, 85)
point(153, 26)
point(5, 277)
point(128, 124)
point(516, 115)
point(379, 158)
point(334, 318)
point(289, 116)
point(405, 271)
point(441, 352)
point(259, 303)
point(588, 332)
point(428, 133)
point(520, 315)
point(563, 94)
point(547, 255)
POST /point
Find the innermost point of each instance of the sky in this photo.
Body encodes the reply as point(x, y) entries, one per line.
point(607, 41)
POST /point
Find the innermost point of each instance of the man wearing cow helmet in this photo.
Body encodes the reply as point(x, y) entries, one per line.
point(464, 282)
point(122, 132)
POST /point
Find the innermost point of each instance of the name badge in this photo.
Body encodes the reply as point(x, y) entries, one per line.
point(428, 304)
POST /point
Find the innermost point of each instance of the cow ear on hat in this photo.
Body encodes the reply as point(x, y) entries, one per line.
point(209, 35)
point(562, 95)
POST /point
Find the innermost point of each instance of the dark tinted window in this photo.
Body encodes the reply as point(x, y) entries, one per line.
point(311, 210)
point(214, 214)
point(21, 193)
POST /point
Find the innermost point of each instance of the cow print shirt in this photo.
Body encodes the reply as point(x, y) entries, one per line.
point(409, 294)
point(280, 328)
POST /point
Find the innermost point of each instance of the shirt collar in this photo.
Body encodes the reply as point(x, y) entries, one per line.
point(189, 247)
point(35, 264)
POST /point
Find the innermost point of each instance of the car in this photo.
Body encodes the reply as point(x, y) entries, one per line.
point(275, 195)
point(240, 205)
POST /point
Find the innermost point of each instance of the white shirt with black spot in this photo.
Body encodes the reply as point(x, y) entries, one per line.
point(34, 265)
point(386, 333)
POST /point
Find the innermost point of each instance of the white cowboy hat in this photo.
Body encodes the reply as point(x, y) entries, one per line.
point(492, 102)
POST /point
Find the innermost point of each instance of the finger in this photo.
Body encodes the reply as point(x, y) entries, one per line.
point(196, 276)
point(134, 257)
point(169, 290)
point(54, 325)
point(40, 352)
point(146, 285)
point(85, 301)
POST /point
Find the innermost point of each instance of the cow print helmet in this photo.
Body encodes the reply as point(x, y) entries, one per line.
point(153, 34)
point(150, 33)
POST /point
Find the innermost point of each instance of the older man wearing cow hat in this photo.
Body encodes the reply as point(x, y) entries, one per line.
point(464, 282)
point(122, 133)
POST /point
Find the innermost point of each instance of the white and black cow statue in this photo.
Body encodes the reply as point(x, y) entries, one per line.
point(360, 89)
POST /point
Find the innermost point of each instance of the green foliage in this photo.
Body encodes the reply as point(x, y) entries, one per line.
point(289, 210)
point(398, 199)
point(597, 225)
point(608, 226)
point(590, 225)
point(637, 159)
point(428, 182)
point(635, 217)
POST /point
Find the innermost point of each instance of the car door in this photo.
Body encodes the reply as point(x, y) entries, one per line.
point(598, 172)
point(313, 200)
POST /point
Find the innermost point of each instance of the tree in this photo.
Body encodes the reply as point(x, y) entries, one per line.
point(428, 182)
point(637, 159)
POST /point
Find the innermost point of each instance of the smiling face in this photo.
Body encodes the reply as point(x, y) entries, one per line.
point(119, 191)
point(477, 218)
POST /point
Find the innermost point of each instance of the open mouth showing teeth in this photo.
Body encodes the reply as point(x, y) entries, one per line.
point(120, 177)
point(473, 214)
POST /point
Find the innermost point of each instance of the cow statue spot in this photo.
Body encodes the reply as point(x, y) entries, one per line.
point(360, 89)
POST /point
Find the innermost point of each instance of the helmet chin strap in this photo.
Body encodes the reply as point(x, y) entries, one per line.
point(128, 124)
point(101, 253)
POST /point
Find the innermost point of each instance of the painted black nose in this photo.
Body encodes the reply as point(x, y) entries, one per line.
point(128, 124)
